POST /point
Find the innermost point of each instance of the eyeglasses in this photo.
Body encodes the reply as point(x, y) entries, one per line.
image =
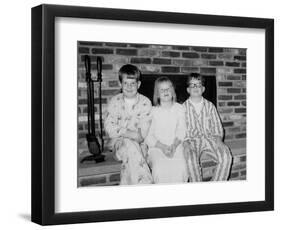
point(195, 85)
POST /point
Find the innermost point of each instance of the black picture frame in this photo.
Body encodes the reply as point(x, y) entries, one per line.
point(43, 114)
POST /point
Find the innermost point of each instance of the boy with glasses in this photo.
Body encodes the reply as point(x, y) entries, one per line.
point(204, 133)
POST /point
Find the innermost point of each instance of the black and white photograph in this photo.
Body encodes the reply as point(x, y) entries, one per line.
point(141, 114)
point(160, 113)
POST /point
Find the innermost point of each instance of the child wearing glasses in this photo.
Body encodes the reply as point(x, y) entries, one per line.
point(204, 133)
point(166, 134)
point(127, 122)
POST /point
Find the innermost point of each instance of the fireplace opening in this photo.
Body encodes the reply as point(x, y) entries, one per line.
point(179, 81)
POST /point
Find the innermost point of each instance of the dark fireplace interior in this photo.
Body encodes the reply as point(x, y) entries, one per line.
point(179, 80)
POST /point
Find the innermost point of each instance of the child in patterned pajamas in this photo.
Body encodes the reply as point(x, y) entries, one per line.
point(127, 123)
point(204, 133)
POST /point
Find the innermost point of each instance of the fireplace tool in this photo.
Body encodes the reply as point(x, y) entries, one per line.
point(95, 145)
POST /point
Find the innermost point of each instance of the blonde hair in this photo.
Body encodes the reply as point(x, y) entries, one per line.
point(156, 97)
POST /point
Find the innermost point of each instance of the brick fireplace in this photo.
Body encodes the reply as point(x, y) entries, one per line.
point(224, 69)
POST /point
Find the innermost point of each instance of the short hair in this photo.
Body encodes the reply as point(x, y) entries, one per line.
point(156, 97)
point(132, 71)
point(196, 76)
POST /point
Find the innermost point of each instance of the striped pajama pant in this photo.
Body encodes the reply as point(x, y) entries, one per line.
point(219, 153)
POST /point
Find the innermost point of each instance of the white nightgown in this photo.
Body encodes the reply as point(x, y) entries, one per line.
point(167, 124)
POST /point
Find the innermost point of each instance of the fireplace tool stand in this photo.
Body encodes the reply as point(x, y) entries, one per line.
point(95, 145)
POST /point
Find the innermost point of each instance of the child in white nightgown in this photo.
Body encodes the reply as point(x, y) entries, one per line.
point(166, 134)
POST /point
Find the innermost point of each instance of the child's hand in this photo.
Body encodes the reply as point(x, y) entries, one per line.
point(185, 144)
point(133, 135)
point(219, 142)
point(173, 150)
point(174, 146)
point(118, 144)
point(164, 148)
point(186, 147)
point(168, 151)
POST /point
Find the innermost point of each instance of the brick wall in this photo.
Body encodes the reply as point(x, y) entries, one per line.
point(227, 64)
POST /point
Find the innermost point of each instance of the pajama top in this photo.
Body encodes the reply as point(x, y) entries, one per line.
point(120, 117)
point(206, 124)
point(166, 125)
